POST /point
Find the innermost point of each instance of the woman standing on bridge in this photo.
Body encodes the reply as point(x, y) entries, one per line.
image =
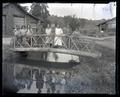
point(48, 37)
point(52, 34)
point(58, 39)
point(29, 33)
point(23, 32)
point(17, 33)
point(40, 28)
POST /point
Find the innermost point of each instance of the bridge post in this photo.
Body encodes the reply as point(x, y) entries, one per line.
point(14, 70)
point(31, 73)
point(69, 43)
point(31, 41)
point(14, 41)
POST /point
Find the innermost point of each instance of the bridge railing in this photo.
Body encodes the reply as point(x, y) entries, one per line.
point(70, 42)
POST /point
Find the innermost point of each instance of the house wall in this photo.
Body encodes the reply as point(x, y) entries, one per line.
point(112, 25)
point(8, 21)
point(11, 11)
point(109, 27)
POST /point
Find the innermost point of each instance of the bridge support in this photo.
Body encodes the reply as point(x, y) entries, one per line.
point(72, 52)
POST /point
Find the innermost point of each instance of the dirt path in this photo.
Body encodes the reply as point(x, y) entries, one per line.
point(108, 42)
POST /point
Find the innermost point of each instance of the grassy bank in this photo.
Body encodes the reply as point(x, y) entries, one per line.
point(99, 74)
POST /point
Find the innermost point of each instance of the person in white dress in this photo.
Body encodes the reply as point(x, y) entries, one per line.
point(58, 40)
point(52, 35)
point(23, 31)
point(17, 33)
point(29, 30)
point(48, 32)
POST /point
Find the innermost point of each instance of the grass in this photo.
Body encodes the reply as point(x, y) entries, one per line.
point(98, 73)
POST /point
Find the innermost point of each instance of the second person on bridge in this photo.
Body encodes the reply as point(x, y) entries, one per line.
point(58, 38)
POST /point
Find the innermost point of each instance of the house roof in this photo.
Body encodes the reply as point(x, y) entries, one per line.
point(20, 7)
point(4, 4)
point(106, 21)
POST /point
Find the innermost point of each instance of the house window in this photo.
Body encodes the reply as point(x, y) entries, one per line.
point(102, 30)
point(19, 21)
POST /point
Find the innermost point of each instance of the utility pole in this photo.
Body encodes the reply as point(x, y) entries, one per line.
point(94, 12)
point(81, 10)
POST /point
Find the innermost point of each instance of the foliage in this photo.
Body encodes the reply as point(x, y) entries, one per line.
point(40, 11)
point(82, 23)
point(72, 22)
point(56, 20)
point(25, 8)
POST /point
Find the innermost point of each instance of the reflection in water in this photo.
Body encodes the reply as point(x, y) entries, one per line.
point(34, 76)
point(59, 57)
point(40, 80)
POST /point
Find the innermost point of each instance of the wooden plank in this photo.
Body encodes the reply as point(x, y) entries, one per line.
point(31, 42)
point(72, 52)
point(14, 41)
point(74, 43)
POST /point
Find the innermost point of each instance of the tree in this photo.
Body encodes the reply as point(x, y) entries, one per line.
point(40, 11)
point(56, 20)
point(72, 22)
point(82, 23)
point(25, 8)
point(53, 19)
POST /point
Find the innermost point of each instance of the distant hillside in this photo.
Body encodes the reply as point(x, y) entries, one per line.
point(83, 23)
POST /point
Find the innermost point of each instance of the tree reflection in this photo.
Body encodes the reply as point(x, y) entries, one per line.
point(22, 78)
point(45, 80)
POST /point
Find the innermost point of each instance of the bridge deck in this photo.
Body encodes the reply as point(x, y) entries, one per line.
point(57, 50)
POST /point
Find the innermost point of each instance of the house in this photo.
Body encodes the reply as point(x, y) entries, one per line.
point(108, 26)
point(13, 14)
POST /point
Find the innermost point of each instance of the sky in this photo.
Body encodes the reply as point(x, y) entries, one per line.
point(81, 10)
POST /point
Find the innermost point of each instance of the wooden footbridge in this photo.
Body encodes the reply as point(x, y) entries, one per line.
point(71, 44)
